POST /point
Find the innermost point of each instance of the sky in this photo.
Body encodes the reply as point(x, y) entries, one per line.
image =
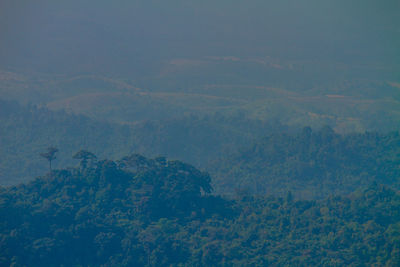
point(130, 36)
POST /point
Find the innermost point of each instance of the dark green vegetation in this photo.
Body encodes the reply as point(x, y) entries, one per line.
point(155, 212)
point(312, 164)
point(26, 131)
point(241, 154)
point(225, 85)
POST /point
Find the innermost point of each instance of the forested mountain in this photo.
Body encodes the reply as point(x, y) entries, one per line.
point(154, 212)
point(280, 121)
point(26, 131)
point(312, 164)
point(242, 154)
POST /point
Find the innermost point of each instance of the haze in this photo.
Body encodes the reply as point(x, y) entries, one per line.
point(132, 38)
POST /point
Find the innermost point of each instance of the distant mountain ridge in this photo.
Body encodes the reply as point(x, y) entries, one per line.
point(26, 131)
point(311, 164)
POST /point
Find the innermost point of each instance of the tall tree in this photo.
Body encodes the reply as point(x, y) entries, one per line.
point(50, 155)
point(85, 156)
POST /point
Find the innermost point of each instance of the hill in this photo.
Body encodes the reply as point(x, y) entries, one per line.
point(26, 131)
point(311, 164)
point(347, 105)
point(155, 61)
point(147, 212)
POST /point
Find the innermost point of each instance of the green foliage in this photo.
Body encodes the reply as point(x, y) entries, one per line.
point(156, 212)
point(311, 164)
point(27, 130)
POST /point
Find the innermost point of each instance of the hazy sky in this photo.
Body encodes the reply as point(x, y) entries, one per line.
point(68, 36)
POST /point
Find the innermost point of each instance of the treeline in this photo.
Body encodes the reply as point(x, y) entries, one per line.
point(312, 164)
point(155, 212)
point(241, 154)
point(26, 131)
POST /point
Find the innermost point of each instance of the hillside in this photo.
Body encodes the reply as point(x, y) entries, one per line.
point(199, 133)
point(26, 131)
point(152, 212)
point(311, 164)
point(347, 105)
point(154, 61)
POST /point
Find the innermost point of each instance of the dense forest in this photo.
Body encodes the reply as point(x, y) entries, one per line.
point(27, 130)
point(241, 153)
point(199, 133)
point(311, 163)
point(278, 196)
point(155, 212)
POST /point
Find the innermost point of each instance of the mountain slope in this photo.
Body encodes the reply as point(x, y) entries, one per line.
point(311, 164)
point(153, 212)
point(26, 131)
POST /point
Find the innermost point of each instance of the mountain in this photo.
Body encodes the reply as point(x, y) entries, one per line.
point(26, 131)
point(311, 164)
point(199, 133)
point(303, 63)
point(146, 212)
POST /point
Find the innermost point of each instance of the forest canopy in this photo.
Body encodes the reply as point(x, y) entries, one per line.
point(151, 212)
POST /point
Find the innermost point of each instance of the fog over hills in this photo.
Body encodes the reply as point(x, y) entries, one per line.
point(199, 133)
point(285, 63)
point(303, 62)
